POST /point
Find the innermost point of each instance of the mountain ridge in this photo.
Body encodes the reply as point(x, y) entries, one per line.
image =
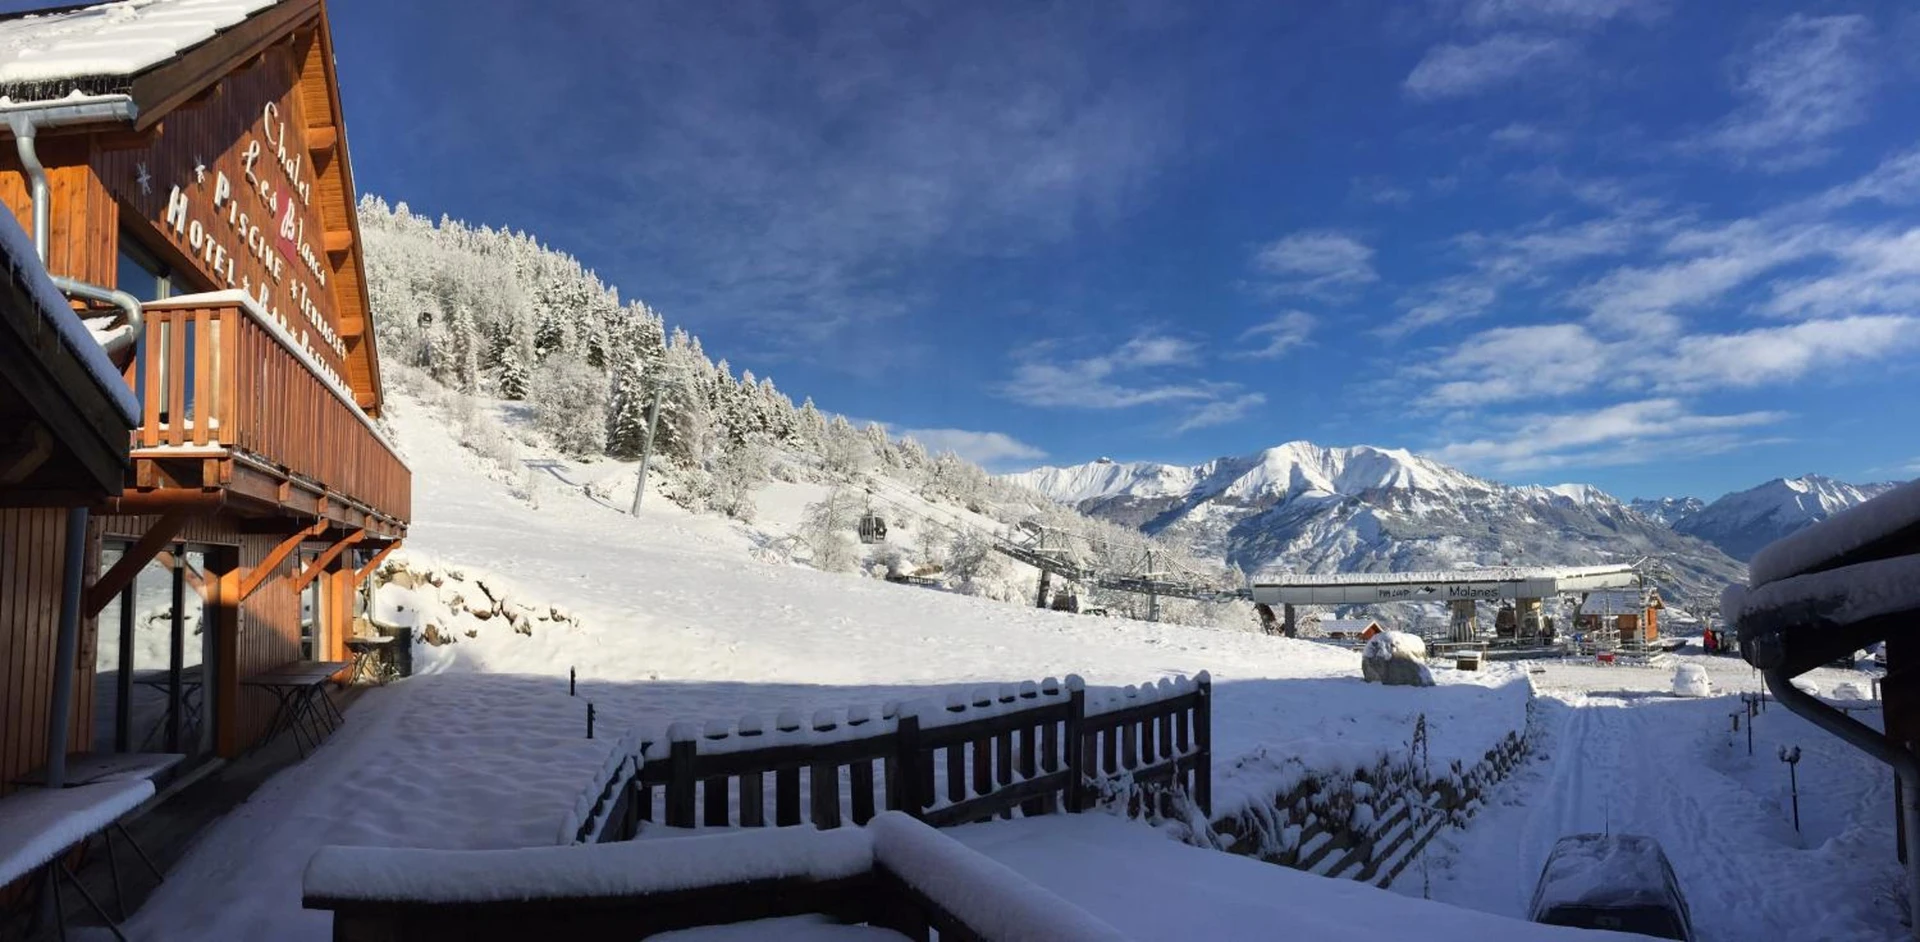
point(1364, 508)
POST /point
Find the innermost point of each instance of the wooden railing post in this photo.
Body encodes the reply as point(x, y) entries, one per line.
point(906, 766)
point(1203, 745)
point(823, 779)
point(680, 783)
point(1075, 798)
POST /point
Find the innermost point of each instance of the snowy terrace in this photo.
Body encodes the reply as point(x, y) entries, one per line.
point(677, 621)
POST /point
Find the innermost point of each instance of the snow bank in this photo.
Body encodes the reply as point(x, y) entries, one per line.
point(628, 868)
point(1159, 888)
point(1690, 680)
point(995, 900)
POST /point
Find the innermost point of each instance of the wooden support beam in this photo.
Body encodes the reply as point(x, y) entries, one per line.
point(374, 563)
point(338, 240)
point(108, 586)
point(38, 447)
point(322, 139)
point(257, 576)
point(321, 562)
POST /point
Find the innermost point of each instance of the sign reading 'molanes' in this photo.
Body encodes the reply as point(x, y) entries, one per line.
point(231, 184)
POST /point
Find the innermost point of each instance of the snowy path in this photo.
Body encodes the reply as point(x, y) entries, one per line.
point(1645, 763)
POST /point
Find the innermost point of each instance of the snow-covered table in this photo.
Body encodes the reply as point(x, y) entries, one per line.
point(38, 825)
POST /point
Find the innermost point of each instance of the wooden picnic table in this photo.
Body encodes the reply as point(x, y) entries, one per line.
point(302, 705)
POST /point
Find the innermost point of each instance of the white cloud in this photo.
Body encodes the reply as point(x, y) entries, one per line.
point(1043, 378)
point(1279, 334)
point(1314, 260)
point(1875, 271)
point(1515, 364)
point(1519, 135)
point(1895, 182)
point(1451, 70)
point(1220, 412)
point(982, 448)
point(1381, 191)
point(1624, 433)
point(1779, 354)
point(1805, 82)
point(1578, 13)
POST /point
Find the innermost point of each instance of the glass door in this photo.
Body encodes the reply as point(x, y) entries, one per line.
point(154, 658)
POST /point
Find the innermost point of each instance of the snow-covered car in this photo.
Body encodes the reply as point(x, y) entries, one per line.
point(1620, 882)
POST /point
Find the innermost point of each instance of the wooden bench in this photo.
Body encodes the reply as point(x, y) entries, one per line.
point(896, 874)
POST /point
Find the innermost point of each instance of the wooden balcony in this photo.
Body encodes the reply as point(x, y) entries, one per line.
point(234, 408)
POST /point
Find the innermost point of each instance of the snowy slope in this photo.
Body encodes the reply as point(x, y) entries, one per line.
point(1742, 522)
point(1312, 508)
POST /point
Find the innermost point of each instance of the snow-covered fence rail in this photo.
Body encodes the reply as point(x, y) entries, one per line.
point(1030, 748)
point(897, 874)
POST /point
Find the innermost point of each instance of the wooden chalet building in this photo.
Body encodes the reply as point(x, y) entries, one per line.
point(193, 201)
point(1631, 615)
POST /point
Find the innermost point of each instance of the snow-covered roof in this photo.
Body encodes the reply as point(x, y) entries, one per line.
point(1351, 625)
point(22, 264)
point(108, 40)
point(1849, 530)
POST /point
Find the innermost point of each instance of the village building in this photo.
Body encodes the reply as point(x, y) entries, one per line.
point(1349, 629)
point(1630, 615)
point(182, 170)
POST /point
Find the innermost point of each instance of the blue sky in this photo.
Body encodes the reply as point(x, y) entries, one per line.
point(1664, 248)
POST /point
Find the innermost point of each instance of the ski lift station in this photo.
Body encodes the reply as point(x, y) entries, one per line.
point(1461, 590)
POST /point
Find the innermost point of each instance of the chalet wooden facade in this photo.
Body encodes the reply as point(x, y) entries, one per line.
point(199, 200)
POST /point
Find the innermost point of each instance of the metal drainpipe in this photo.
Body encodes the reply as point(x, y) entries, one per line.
point(25, 132)
point(25, 126)
point(1862, 737)
point(66, 647)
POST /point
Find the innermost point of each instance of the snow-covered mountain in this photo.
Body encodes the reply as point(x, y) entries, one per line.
point(1319, 509)
point(1743, 522)
point(1667, 510)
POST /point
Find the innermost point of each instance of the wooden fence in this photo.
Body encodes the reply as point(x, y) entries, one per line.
point(1031, 749)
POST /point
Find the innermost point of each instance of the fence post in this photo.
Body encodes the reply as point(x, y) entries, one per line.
point(680, 783)
point(906, 764)
point(1203, 744)
point(1075, 798)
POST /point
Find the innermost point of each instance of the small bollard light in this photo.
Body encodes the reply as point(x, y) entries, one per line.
point(570, 681)
point(589, 719)
point(1791, 756)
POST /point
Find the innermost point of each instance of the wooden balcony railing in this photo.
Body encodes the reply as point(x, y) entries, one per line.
point(216, 374)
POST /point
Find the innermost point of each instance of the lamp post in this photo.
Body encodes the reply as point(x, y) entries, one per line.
point(1791, 756)
point(646, 451)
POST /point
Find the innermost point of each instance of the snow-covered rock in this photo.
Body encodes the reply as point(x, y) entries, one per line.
point(1690, 680)
point(1396, 658)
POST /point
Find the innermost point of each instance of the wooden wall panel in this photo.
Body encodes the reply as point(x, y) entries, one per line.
point(269, 634)
point(32, 548)
point(203, 156)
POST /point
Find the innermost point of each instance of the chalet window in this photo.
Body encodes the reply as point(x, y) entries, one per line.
point(154, 658)
point(141, 274)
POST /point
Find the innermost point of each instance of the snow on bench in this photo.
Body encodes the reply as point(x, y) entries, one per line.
point(630, 868)
point(997, 902)
point(37, 824)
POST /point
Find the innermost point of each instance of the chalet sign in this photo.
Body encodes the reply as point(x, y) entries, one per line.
point(255, 215)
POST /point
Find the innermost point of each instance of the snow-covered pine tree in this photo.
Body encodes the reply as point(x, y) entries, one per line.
point(513, 375)
point(569, 404)
point(627, 413)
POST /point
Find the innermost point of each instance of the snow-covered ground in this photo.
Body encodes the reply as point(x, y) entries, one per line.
point(686, 617)
point(1620, 753)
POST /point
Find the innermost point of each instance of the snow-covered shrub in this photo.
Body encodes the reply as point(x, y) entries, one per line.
point(827, 530)
point(570, 405)
point(737, 473)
